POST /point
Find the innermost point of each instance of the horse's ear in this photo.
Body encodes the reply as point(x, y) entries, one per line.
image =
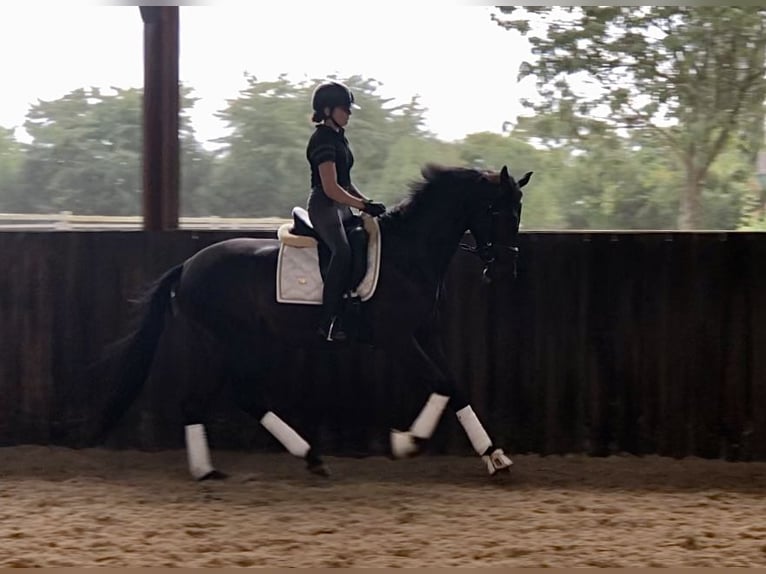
point(430, 170)
point(525, 180)
point(505, 177)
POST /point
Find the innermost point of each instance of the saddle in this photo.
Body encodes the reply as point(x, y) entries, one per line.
point(304, 258)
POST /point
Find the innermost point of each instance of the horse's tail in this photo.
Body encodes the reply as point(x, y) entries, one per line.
point(136, 352)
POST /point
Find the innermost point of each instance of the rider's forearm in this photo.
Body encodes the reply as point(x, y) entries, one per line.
point(355, 191)
point(337, 193)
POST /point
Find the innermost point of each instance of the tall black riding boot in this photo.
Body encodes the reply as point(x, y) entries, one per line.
point(331, 328)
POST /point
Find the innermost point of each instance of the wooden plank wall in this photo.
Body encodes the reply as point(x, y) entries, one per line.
point(606, 343)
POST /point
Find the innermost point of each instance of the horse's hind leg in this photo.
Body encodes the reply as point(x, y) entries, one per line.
point(198, 453)
point(248, 369)
point(201, 384)
point(194, 408)
point(294, 443)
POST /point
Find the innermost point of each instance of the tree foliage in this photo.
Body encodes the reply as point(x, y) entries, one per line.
point(85, 154)
point(693, 77)
point(85, 157)
point(11, 165)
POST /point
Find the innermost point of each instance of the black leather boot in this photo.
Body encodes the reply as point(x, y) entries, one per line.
point(331, 329)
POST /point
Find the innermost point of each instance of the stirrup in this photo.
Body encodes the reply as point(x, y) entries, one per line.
point(334, 332)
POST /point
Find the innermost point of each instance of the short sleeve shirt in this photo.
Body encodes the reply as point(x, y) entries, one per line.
point(324, 145)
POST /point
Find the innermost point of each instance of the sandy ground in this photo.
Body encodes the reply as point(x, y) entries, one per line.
point(61, 507)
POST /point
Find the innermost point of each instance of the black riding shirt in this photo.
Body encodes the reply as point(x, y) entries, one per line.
point(324, 145)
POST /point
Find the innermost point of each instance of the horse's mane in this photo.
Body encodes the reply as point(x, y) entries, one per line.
point(439, 185)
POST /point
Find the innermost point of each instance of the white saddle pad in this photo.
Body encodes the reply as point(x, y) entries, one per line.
point(298, 277)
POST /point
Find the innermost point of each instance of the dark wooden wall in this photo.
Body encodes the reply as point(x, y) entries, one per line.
point(640, 343)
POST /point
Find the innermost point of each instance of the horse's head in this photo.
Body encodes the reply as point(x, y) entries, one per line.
point(494, 215)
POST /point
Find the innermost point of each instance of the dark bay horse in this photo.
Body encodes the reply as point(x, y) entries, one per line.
point(228, 290)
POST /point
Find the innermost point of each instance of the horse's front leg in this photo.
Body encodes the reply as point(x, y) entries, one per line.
point(493, 456)
point(407, 443)
point(426, 353)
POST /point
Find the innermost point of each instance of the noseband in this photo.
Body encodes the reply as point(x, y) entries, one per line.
point(487, 250)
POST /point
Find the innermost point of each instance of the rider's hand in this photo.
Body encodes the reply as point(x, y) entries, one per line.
point(373, 208)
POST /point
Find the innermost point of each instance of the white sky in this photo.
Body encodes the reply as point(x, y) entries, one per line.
point(461, 63)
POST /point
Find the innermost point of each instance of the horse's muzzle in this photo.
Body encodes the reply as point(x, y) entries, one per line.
point(490, 261)
point(487, 253)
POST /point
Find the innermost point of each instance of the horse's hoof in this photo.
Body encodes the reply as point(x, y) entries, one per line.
point(214, 475)
point(403, 444)
point(315, 465)
point(319, 469)
point(497, 461)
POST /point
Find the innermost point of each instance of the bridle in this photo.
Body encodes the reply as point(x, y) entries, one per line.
point(487, 250)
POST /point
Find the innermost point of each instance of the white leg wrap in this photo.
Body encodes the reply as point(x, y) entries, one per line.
point(402, 444)
point(284, 433)
point(197, 451)
point(497, 460)
point(425, 424)
point(476, 434)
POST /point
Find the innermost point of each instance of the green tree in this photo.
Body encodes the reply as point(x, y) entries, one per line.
point(630, 182)
point(616, 184)
point(727, 189)
point(262, 170)
point(754, 213)
point(374, 131)
point(197, 163)
point(491, 151)
point(85, 154)
point(693, 76)
point(408, 146)
point(11, 163)
point(407, 155)
point(390, 142)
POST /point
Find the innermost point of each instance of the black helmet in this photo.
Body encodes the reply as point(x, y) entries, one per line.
point(331, 95)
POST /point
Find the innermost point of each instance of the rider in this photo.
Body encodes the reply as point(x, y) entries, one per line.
point(332, 196)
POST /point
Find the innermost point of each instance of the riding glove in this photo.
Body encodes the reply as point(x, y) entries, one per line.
point(374, 208)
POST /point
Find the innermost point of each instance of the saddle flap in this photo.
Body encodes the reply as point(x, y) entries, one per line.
point(302, 223)
point(299, 277)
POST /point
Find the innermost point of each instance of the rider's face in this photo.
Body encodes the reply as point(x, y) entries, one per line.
point(340, 115)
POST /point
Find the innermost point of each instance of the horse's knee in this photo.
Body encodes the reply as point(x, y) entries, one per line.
point(457, 400)
point(251, 404)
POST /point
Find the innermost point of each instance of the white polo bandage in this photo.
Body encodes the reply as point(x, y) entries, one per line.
point(197, 451)
point(476, 434)
point(425, 424)
point(284, 433)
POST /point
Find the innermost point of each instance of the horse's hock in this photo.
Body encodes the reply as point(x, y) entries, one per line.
point(634, 342)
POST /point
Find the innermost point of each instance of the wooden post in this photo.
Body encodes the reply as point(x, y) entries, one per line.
point(161, 162)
